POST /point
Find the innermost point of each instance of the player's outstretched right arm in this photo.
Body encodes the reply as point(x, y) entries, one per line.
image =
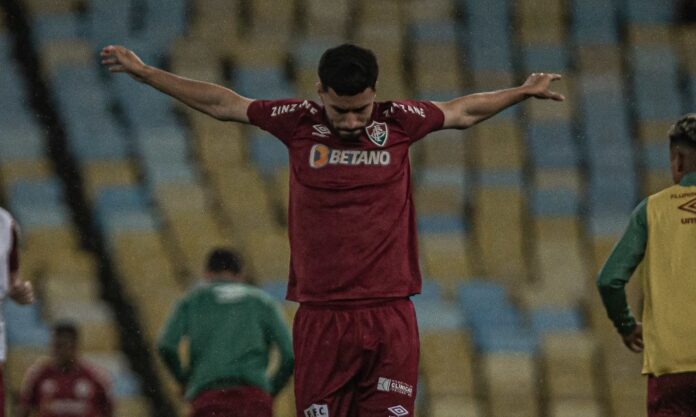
point(212, 99)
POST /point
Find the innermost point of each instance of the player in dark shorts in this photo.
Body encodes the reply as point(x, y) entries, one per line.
point(354, 258)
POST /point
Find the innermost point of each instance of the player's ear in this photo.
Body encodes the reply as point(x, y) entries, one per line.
point(320, 88)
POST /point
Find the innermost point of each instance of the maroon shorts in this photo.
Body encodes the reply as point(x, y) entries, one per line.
point(232, 402)
point(672, 395)
point(356, 360)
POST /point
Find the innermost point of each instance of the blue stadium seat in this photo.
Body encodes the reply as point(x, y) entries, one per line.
point(546, 58)
point(594, 22)
point(24, 325)
point(648, 11)
point(551, 145)
point(656, 156)
point(504, 178)
point(506, 340)
point(55, 26)
point(38, 193)
point(21, 142)
point(109, 22)
point(123, 197)
point(433, 32)
point(266, 82)
point(437, 315)
point(440, 224)
point(556, 202)
point(165, 172)
point(550, 319)
point(268, 153)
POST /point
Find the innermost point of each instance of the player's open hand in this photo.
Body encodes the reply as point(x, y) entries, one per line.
point(634, 340)
point(538, 85)
point(120, 59)
point(21, 292)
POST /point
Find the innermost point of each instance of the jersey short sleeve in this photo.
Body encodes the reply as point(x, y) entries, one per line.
point(279, 117)
point(417, 117)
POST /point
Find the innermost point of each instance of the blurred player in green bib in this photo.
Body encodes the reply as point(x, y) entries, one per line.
point(661, 236)
point(230, 327)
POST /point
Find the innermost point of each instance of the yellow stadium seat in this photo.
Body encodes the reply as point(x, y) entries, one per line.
point(511, 384)
point(498, 230)
point(57, 54)
point(687, 47)
point(551, 33)
point(69, 287)
point(654, 132)
point(599, 59)
point(454, 406)
point(446, 148)
point(642, 34)
point(430, 199)
point(19, 360)
point(568, 366)
point(269, 255)
point(322, 21)
point(575, 408)
point(132, 407)
point(492, 80)
point(12, 171)
point(568, 178)
point(375, 11)
point(100, 174)
point(435, 57)
point(40, 7)
point(99, 336)
point(185, 199)
point(440, 11)
point(498, 146)
point(284, 403)
point(447, 363)
point(430, 79)
point(447, 259)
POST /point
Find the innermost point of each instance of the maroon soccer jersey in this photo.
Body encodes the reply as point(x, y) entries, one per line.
point(80, 392)
point(351, 218)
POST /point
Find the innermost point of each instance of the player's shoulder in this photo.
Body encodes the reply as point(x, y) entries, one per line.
point(286, 108)
point(95, 372)
point(406, 109)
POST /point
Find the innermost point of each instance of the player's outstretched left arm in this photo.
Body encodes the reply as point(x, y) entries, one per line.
point(466, 111)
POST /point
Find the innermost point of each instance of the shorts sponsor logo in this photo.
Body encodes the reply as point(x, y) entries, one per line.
point(317, 410)
point(398, 410)
point(392, 385)
point(378, 132)
point(321, 155)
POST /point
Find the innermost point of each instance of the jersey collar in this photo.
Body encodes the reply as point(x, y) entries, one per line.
point(688, 179)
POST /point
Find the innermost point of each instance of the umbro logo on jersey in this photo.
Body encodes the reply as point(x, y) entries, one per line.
point(378, 132)
point(317, 410)
point(689, 206)
point(321, 155)
point(321, 131)
point(398, 411)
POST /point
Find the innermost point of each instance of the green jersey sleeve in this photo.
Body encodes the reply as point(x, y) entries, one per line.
point(618, 269)
point(168, 343)
point(279, 335)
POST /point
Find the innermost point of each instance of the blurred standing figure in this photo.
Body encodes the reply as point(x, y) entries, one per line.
point(661, 236)
point(10, 284)
point(65, 385)
point(231, 328)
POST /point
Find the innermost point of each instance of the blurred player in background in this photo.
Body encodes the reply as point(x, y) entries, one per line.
point(661, 235)
point(354, 257)
point(230, 327)
point(64, 385)
point(10, 285)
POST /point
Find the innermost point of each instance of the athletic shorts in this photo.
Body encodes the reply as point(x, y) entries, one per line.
point(356, 359)
point(232, 402)
point(672, 395)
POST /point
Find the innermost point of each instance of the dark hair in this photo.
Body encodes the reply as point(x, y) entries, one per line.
point(66, 328)
point(224, 260)
point(348, 69)
point(684, 131)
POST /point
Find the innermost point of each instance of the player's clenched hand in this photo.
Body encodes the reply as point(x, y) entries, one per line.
point(538, 85)
point(120, 59)
point(22, 292)
point(634, 340)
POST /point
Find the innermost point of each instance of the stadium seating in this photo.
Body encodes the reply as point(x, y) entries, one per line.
point(515, 215)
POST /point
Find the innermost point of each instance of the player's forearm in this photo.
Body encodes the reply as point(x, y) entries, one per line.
point(214, 100)
point(469, 110)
